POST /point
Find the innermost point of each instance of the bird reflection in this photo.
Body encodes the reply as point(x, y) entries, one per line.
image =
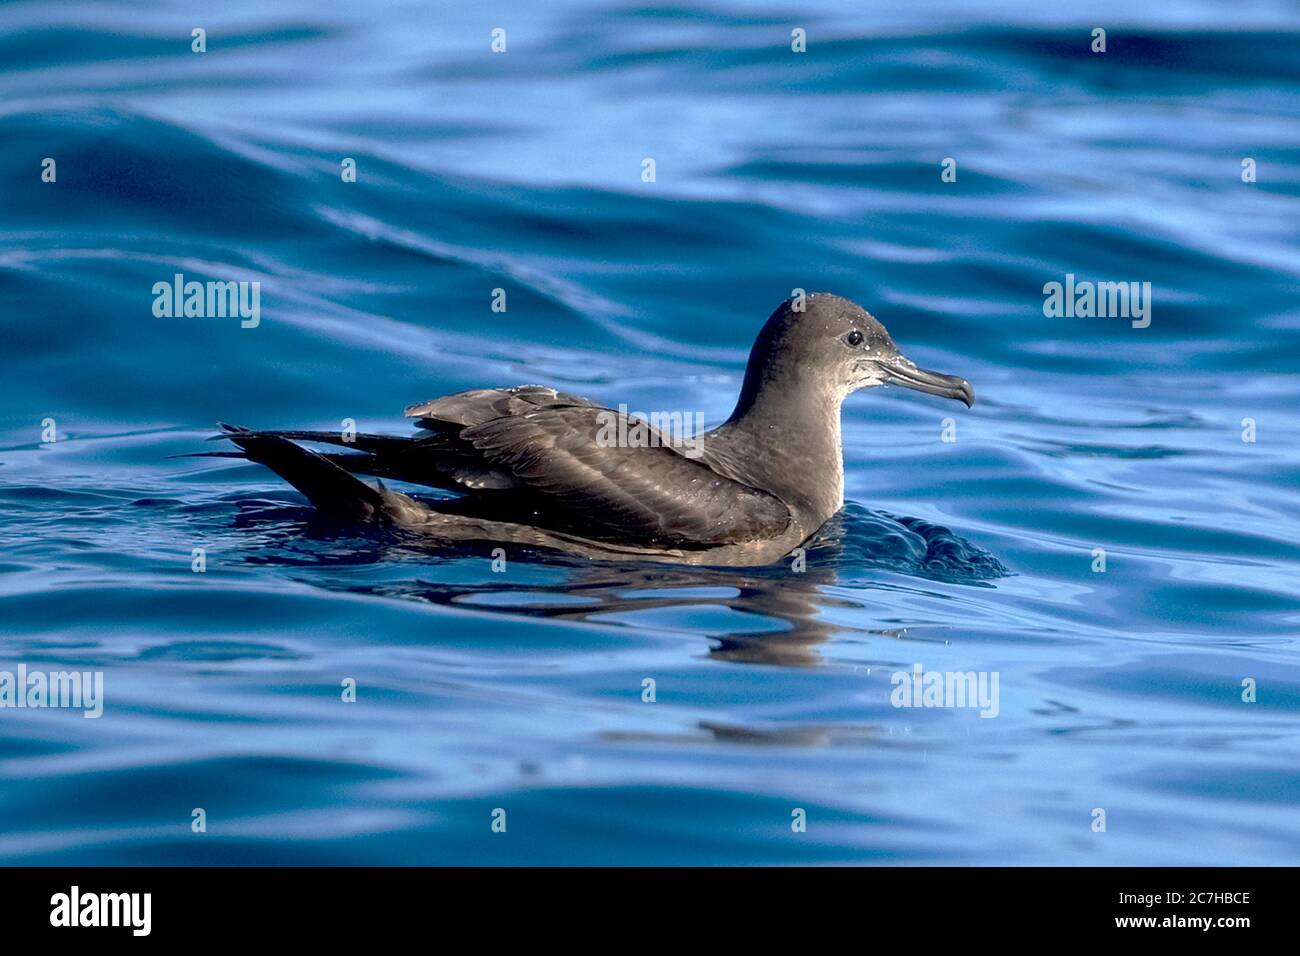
point(785, 604)
point(780, 611)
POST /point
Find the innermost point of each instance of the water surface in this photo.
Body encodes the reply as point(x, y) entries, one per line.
point(522, 690)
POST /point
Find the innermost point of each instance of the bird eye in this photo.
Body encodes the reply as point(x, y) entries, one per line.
point(854, 338)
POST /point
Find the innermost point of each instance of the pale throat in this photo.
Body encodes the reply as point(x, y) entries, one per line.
point(802, 460)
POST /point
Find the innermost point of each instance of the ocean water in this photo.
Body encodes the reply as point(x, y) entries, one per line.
point(1120, 690)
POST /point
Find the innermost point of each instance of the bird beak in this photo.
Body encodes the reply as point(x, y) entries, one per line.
point(905, 372)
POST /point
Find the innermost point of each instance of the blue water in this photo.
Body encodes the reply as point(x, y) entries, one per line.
point(1119, 690)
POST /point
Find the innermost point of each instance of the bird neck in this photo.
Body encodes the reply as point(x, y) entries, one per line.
point(786, 442)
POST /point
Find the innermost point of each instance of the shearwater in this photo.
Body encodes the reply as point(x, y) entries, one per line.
point(530, 469)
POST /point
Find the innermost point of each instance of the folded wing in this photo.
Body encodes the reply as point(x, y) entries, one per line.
point(564, 452)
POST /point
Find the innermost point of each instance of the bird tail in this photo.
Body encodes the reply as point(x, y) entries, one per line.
point(372, 465)
point(360, 442)
point(325, 484)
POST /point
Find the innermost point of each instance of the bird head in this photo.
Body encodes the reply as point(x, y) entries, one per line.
point(825, 339)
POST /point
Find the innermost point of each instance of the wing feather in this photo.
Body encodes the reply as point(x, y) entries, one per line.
point(651, 493)
point(548, 445)
point(480, 405)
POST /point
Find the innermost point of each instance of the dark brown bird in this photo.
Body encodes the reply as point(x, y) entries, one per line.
point(537, 467)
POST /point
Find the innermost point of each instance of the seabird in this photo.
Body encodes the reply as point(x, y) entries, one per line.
point(531, 468)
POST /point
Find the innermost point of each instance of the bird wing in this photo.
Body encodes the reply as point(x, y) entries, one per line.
point(480, 405)
point(564, 450)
